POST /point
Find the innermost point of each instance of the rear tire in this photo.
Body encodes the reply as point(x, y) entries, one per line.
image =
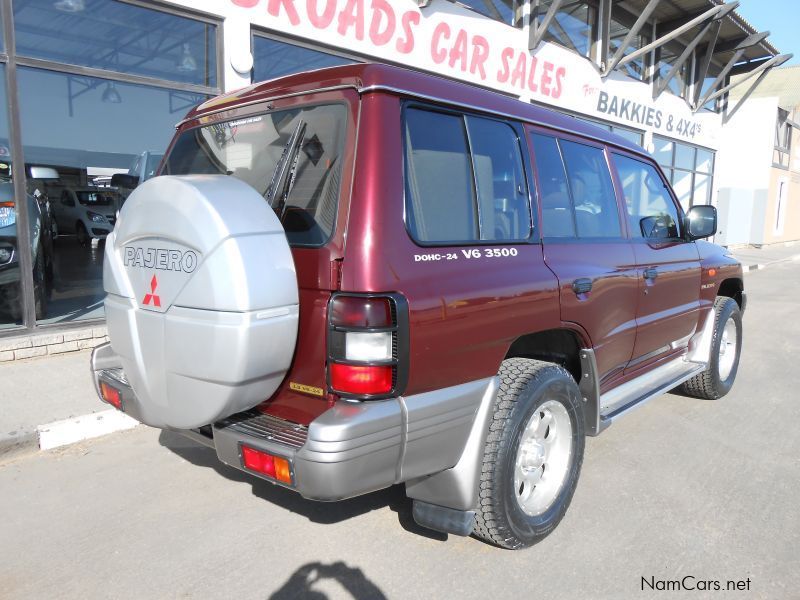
point(82, 234)
point(533, 454)
point(726, 346)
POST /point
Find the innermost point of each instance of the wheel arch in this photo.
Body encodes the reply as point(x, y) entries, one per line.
point(733, 288)
point(561, 346)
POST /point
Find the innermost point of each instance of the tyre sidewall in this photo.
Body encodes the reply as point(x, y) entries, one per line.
point(557, 385)
point(728, 309)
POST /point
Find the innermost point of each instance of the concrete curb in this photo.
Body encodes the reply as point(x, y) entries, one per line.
point(760, 266)
point(65, 432)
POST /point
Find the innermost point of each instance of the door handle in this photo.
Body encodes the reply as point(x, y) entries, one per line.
point(651, 273)
point(582, 286)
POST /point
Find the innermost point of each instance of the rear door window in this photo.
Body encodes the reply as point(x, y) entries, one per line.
point(464, 179)
point(652, 214)
point(576, 190)
point(596, 213)
point(250, 148)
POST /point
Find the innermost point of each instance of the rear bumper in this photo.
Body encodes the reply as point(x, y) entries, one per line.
point(354, 447)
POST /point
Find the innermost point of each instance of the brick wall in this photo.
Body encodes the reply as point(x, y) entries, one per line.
point(44, 344)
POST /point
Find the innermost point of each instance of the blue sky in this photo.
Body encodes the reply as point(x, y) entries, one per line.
point(781, 18)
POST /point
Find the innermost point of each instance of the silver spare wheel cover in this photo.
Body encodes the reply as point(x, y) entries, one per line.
point(202, 302)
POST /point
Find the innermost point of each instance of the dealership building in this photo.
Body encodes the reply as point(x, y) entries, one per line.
point(92, 88)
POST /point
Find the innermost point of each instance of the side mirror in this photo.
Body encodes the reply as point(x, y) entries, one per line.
point(701, 222)
point(124, 180)
point(46, 173)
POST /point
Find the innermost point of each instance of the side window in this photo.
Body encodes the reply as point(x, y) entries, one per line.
point(557, 214)
point(66, 199)
point(651, 211)
point(439, 178)
point(593, 197)
point(465, 179)
point(504, 208)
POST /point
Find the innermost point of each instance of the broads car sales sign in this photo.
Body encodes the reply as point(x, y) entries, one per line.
point(456, 42)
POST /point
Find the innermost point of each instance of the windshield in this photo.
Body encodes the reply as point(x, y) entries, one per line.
point(93, 198)
point(251, 148)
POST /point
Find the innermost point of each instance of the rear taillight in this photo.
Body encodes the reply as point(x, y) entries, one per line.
point(274, 467)
point(111, 395)
point(367, 345)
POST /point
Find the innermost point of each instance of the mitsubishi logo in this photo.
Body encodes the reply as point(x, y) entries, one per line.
point(152, 297)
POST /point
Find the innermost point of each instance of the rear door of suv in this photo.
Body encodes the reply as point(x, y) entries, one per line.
point(668, 266)
point(585, 245)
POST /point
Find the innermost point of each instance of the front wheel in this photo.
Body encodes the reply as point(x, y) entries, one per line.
point(726, 345)
point(533, 454)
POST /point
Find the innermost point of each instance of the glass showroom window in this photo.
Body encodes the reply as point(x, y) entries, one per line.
point(689, 169)
point(87, 129)
point(10, 290)
point(275, 58)
point(100, 87)
point(619, 29)
point(117, 36)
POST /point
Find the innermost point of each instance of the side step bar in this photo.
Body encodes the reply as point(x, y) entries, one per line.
point(601, 410)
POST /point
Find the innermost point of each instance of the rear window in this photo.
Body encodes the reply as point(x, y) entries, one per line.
point(250, 149)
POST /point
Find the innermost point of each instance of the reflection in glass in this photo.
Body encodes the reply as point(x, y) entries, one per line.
point(682, 184)
point(702, 190)
point(118, 36)
point(273, 58)
point(676, 85)
point(663, 151)
point(637, 67)
point(572, 25)
point(684, 156)
point(705, 160)
point(505, 11)
point(71, 123)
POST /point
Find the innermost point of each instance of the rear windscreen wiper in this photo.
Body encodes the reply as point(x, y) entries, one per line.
point(283, 176)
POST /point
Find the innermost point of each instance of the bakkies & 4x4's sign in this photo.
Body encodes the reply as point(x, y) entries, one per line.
point(454, 41)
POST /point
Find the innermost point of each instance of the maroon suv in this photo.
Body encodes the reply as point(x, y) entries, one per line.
point(361, 276)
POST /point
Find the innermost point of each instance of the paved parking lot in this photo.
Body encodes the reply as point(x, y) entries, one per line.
point(681, 488)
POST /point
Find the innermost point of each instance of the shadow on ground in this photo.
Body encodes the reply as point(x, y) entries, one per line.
point(316, 512)
point(302, 581)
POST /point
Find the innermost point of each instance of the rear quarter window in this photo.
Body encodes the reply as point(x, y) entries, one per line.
point(464, 179)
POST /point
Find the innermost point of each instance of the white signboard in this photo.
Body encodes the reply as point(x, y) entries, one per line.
point(456, 42)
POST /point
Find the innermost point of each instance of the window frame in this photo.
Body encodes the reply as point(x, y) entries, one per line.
point(534, 232)
point(559, 135)
point(681, 223)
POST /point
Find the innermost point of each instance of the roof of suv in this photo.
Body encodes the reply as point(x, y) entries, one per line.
point(367, 77)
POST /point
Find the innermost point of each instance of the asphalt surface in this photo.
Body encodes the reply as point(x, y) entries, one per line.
point(681, 488)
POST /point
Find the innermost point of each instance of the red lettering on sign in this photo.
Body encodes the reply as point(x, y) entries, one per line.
point(352, 16)
point(560, 72)
point(152, 297)
point(246, 3)
point(381, 10)
point(321, 21)
point(458, 53)
point(518, 74)
point(532, 75)
point(274, 8)
point(438, 54)
point(480, 52)
point(406, 44)
point(505, 56)
point(546, 79)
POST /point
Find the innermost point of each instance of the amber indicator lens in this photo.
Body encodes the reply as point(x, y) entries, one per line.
point(353, 311)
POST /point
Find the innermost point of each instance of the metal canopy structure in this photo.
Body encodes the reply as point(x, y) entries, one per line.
point(707, 38)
